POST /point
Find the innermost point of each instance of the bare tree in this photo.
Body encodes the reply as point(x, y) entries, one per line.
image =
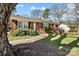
point(76, 13)
point(5, 12)
point(58, 11)
point(37, 13)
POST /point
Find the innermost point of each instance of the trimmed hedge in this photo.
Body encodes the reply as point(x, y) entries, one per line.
point(23, 32)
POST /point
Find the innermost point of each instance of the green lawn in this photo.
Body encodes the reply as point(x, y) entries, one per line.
point(69, 45)
point(18, 37)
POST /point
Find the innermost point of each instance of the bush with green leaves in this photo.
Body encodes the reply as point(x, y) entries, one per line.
point(31, 32)
point(23, 32)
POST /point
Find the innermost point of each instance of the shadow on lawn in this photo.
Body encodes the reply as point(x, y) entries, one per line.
point(68, 47)
point(65, 48)
point(44, 47)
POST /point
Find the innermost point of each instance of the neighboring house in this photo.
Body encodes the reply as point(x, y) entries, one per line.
point(74, 28)
point(23, 22)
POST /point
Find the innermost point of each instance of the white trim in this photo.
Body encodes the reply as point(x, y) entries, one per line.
point(34, 26)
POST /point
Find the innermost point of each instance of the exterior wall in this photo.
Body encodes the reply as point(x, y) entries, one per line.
point(30, 25)
point(13, 24)
point(39, 25)
point(35, 26)
point(18, 22)
point(73, 28)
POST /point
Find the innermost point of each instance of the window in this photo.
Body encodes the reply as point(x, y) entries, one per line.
point(22, 25)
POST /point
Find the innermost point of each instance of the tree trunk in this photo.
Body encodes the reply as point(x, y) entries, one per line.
point(5, 11)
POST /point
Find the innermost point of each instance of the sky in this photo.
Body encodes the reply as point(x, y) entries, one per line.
point(26, 8)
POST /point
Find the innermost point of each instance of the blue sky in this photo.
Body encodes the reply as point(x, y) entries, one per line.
point(26, 8)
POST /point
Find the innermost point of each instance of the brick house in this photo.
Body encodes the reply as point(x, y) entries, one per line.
point(23, 22)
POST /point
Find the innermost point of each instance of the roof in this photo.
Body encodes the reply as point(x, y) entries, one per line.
point(50, 22)
point(73, 25)
point(24, 19)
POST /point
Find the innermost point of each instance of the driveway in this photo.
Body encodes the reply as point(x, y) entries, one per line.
point(29, 40)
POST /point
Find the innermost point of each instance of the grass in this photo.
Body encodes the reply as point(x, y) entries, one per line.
point(69, 44)
point(18, 37)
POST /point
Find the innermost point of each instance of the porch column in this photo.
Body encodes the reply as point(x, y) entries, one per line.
point(34, 26)
point(27, 25)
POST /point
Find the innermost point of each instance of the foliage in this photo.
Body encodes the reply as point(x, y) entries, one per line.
point(46, 13)
point(31, 32)
point(11, 38)
point(23, 32)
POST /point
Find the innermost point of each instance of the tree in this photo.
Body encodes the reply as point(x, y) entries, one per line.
point(13, 12)
point(5, 12)
point(76, 13)
point(46, 13)
point(69, 22)
point(37, 13)
point(58, 11)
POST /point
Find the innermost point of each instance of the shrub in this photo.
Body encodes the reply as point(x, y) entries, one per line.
point(16, 32)
point(31, 32)
point(23, 32)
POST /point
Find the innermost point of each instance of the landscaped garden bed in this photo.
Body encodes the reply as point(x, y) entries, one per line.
point(21, 34)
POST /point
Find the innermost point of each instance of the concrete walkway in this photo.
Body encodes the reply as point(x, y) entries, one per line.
point(29, 40)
